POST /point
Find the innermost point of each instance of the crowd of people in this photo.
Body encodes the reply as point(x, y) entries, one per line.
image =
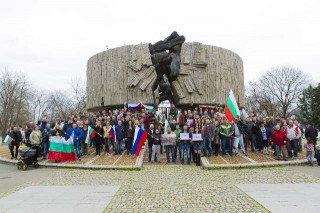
point(281, 137)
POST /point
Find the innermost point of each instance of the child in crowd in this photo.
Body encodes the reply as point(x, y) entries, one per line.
point(309, 148)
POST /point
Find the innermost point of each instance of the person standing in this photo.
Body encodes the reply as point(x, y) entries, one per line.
point(76, 135)
point(35, 139)
point(177, 147)
point(98, 138)
point(119, 137)
point(168, 145)
point(46, 134)
point(185, 145)
point(226, 133)
point(279, 138)
point(156, 157)
point(217, 138)
point(296, 122)
point(107, 138)
point(130, 134)
point(265, 134)
point(150, 139)
point(313, 134)
point(197, 147)
point(208, 136)
point(239, 131)
point(309, 148)
point(293, 134)
point(16, 136)
point(84, 146)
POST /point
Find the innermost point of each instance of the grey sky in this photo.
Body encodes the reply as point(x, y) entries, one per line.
point(52, 40)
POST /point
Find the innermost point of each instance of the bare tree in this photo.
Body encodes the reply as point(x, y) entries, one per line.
point(278, 90)
point(79, 94)
point(60, 105)
point(38, 104)
point(14, 95)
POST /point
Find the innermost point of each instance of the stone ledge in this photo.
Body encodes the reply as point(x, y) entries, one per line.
point(206, 165)
point(137, 166)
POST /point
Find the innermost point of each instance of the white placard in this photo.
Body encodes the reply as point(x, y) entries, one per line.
point(184, 136)
point(196, 137)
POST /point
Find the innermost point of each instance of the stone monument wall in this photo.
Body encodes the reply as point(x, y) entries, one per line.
point(125, 75)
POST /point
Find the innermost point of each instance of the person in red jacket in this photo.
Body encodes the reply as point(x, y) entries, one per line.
point(279, 138)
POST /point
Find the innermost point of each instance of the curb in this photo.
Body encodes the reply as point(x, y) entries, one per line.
point(136, 167)
point(207, 165)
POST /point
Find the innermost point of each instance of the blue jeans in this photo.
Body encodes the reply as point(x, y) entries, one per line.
point(309, 156)
point(207, 144)
point(118, 146)
point(226, 144)
point(77, 148)
point(45, 149)
point(185, 147)
point(254, 143)
point(170, 148)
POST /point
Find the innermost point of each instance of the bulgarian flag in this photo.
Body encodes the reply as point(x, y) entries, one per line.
point(179, 116)
point(231, 109)
point(148, 108)
point(61, 149)
point(244, 114)
point(166, 126)
point(90, 135)
point(8, 139)
point(214, 102)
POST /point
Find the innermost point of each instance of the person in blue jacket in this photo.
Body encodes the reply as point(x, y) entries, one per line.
point(76, 134)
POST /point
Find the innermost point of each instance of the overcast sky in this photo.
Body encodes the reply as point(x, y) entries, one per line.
point(51, 41)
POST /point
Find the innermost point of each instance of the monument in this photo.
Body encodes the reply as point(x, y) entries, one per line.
point(183, 73)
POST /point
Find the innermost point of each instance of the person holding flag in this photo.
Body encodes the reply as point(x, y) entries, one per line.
point(76, 135)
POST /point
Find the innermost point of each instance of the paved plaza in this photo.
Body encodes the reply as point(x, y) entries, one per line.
point(162, 188)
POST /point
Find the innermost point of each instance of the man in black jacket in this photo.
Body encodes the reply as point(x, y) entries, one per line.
point(150, 139)
point(16, 140)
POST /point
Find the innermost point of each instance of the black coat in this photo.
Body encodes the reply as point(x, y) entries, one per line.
point(149, 137)
point(99, 135)
point(312, 133)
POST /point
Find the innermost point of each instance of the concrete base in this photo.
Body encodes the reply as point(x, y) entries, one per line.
point(285, 197)
point(59, 199)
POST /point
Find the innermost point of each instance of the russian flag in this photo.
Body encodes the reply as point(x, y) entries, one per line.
point(113, 134)
point(140, 137)
point(134, 107)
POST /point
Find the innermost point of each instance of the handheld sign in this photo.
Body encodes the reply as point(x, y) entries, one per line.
point(184, 136)
point(196, 137)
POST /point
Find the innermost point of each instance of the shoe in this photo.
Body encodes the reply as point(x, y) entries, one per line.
point(245, 154)
point(236, 154)
point(202, 156)
point(11, 158)
point(223, 156)
point(79, 159)
point(285, 159)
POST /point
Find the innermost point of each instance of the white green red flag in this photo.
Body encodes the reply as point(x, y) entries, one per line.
point(148, 108)
point(179, 116)
point(214, 102)
point(8, 139)
point(166, 126)
point(231, 109)
point(90, 135)
point(244, 114)
point(61, 149)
